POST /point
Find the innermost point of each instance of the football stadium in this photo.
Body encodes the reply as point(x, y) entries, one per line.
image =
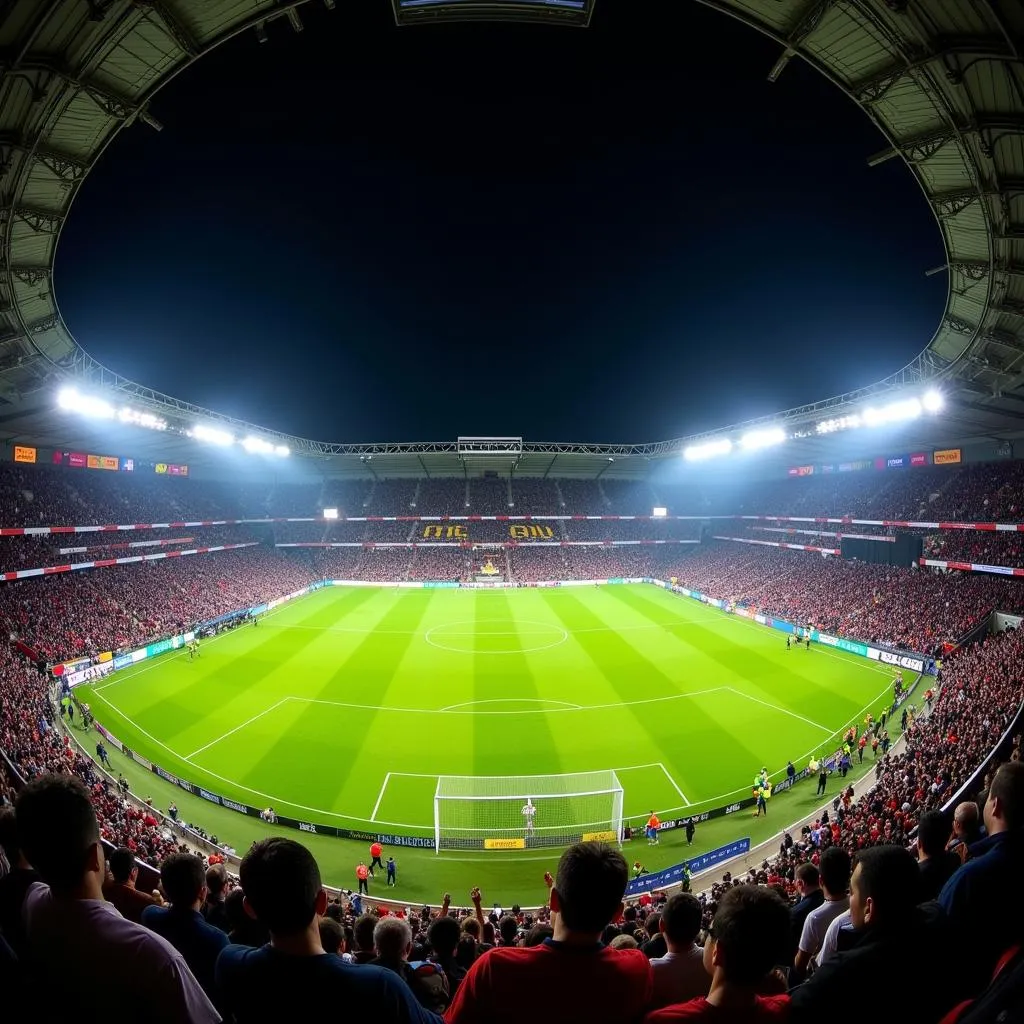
point(720, 727)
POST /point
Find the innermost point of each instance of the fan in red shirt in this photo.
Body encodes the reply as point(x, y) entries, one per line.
point(570, 976)
point(746, 940)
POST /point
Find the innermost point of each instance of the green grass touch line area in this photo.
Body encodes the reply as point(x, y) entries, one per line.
point(428, 682)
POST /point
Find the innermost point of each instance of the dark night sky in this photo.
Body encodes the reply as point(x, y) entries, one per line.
point(364, 233)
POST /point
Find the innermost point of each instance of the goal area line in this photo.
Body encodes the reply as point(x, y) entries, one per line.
point(524, 792)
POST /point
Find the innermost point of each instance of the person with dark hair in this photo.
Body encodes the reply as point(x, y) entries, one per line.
point(888, 927)
point(332, 935)
point(216, 891)
point(243, 929)
point(573, 975)
point(119, 887)
point(747, 939)
point(183, 880)
point(14, 885)
point(282, 887)
point(76, 937)
point(935, 863)
point(984, 898)
point(679, 975)
point(392, 942)
point(444, 935)
point(363, 934)
point(808, 887)
point(508, 930)
point(654, 944)
point(835, 880)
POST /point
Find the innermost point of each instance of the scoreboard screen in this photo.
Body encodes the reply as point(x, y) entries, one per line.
point(568, 12)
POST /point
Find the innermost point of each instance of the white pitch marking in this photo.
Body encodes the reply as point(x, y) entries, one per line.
point(380, 796)
point(776, 707)
point(675, 785)
point(237, 728)
point(512, 700)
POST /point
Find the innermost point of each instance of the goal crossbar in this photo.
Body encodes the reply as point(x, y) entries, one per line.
point(518, 812)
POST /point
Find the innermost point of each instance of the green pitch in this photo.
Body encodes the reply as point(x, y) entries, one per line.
point(344, 707)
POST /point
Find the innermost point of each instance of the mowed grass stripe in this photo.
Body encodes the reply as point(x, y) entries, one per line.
point(667, 726)
point(205, 699)
point(824, 689)
point(325, 751)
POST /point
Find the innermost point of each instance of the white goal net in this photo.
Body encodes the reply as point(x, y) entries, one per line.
point(520, 812)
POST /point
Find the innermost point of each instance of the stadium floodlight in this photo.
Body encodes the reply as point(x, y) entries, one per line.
point(283, 450)
point(658, 512)
point(838, 423)
point(257, 444)
point(141, 419)
point(213, 435)
point(87, 405)
point(894, 412)
point(707, 450)
point(756, 439)
point(330, 513)
point(933, 401)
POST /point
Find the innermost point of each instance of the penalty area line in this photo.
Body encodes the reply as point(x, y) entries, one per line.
point(675, 785)
point(380, 796)
point(785, 711)
point(237, 728)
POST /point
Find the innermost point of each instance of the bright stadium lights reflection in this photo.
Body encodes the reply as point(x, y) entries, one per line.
point(141, 419)
point(212, 435)
point(839, 423)
point(707, 450)
point(257, 444)
point(907, 409)
point(70, 399)
point(283, 450)
point(756, 439)
point(933, 401)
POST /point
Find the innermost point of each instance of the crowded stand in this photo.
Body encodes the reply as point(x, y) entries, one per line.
point(911, 608)
point(489, 496)
point(840, 908)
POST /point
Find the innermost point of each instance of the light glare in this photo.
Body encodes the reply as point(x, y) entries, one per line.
point(707, 450)
point(755, 439)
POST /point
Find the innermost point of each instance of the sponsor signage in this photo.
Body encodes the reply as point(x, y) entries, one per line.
point(505, 844)
point(801, 470)
point(919, 459)
point(947, 456)
point(600, 837)
point(171, 469)
point(899, 660)
point(78, 459)
point(24, 454)
point(102, 462)
point(897, 462)
point(679, 872)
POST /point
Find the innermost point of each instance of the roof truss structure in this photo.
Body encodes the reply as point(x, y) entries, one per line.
point(942, 81)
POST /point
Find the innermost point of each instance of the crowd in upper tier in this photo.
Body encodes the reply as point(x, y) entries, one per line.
point(47, 496)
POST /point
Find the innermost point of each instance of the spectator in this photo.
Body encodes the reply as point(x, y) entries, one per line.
point(580, 979)
point(14, 885)
point(888, 930)
point(392, 942)
point(967, 829)
point(216, 891)
point(989, 880)
point(835, 880)
point(282, 888)
point(76, 937)
point(363, 937)
point(184, 884)
point(680, 975)
point(808, 887)
point(332, 936)
point(747, 939)
point(654, 944)
point(935, 863)
point(119, 887)
point(244, 929)
point(444, 937)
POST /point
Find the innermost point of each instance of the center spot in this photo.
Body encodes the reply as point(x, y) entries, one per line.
point(495, 636)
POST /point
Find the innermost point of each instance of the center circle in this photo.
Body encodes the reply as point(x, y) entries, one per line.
point(495, 636)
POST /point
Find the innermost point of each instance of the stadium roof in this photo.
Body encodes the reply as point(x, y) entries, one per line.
point(944, 83)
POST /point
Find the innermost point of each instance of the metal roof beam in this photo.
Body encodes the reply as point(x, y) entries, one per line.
point(804, 24)
point(175, 28)
point(43, 222)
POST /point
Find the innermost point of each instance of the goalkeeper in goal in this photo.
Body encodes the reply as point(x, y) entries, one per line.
point(529, 810)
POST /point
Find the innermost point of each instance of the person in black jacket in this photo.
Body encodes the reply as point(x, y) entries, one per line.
point(889, 928)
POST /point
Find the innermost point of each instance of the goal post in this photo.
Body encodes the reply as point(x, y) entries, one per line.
point(522, 812)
